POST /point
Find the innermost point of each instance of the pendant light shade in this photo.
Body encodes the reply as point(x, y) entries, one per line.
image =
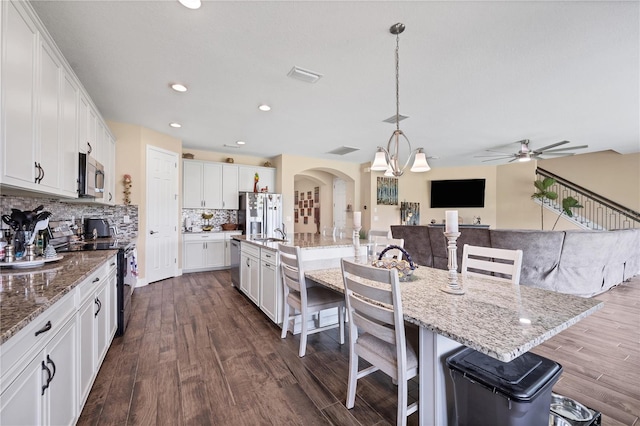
point(389, 159)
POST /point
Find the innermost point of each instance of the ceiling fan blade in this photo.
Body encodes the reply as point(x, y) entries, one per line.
point(497, 158)
point(505, 155)
point(553, 145)
point(564, 149)
point(555, 154)
point(499, 152)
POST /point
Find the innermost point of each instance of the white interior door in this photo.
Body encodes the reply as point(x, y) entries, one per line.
point(339, 203)
point(162, 214)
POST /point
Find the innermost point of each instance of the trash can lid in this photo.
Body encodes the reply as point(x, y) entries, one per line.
point(519, 379)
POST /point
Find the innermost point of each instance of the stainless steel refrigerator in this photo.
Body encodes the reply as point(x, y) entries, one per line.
point(260, 214)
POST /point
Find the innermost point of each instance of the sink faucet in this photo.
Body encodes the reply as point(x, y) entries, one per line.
point(281, 231)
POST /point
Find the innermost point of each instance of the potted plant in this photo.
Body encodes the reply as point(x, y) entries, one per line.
point(543, 192)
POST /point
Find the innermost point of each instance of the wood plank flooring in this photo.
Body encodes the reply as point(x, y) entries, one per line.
point(197, 352)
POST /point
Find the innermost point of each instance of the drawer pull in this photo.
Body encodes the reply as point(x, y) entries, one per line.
point(96, 279)
point(44, 329)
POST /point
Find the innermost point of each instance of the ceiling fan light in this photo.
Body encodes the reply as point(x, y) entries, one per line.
point(191, 4)
point(380, 161)
point(524, 158)
point(420, 162)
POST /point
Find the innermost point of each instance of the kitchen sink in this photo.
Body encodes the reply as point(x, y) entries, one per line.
point(269, 240)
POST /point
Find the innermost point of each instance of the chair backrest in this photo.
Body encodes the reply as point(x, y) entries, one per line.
point(292, 270)
point(364, 299)
point(378, 233)
point(380, 243)
point(496, 263)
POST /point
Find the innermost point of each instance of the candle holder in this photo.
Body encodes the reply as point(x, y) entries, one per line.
point(453, 287)
point(356, 242)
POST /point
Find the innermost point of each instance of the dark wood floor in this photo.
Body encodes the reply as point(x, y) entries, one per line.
point(198, 352)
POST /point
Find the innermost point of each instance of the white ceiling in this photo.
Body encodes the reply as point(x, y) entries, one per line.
point(473, 75)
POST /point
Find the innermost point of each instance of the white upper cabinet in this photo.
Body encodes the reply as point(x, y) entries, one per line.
point(201, 184)
point(230, 187)
point(47, 116)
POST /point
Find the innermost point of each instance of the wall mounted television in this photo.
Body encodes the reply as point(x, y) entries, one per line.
point(457, 193)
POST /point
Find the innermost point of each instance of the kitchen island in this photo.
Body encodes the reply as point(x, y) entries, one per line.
point(498, 319)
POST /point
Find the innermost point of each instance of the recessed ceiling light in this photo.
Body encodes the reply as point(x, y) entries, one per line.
point(264, 107)
point(179, 87)
point(240, 142)
point(176, 125)
point(191, 4)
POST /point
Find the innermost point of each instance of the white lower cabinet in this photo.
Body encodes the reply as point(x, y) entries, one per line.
point(204, 252)
point(45, 390)
point(48, 367)
point(250, 271)
point(270, 285)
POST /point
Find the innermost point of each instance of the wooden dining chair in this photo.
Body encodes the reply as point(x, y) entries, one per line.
point(377, 331)
point(303, 299)
point(494, 263)
point(380, 243)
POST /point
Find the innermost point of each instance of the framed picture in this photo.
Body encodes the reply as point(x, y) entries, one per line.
point(311, 203)
point(387, 191)
point(316, 194)
point(316, 215)
point(409, 213)
point(309, 213)
point(306, 203)
point(300, 205)
point(306, 220)
point(308, 195)
point(295, 216)
point(295, 197)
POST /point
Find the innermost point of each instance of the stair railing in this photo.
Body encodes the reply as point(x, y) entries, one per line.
point(598, 212)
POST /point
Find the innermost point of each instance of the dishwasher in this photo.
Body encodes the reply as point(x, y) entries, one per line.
point(234, 258)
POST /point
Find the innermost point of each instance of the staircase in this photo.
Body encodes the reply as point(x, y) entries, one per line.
point(597, 212)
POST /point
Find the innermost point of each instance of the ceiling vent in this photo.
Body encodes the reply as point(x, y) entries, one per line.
point(344, 150)
point(392, 119)
point(226, 145)
point(304, 75)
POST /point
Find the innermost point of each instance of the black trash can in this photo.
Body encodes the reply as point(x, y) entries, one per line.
point(494, 393)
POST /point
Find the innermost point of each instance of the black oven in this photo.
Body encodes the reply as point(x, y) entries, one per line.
point(126, 271)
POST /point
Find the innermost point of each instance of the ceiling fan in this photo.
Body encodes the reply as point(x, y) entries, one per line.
point(525, 153)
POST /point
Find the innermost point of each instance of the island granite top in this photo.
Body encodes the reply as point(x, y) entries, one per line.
point(26, 293)
point(302, 240)
point(498, 319)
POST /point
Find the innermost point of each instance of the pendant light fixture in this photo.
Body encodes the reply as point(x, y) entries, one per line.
point(387, 159)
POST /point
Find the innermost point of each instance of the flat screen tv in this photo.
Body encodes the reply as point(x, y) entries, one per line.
point(457, 193)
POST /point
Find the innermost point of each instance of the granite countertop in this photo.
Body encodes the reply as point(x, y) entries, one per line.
point(491, 317)
point(26, 293)
point(220, 231)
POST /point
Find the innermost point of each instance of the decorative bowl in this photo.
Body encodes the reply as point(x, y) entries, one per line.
point(405, 267)
point(229, 226)
point(207, 216)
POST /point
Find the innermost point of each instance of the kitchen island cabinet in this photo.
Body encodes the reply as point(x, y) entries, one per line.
point(44, 336)
point(271, 301)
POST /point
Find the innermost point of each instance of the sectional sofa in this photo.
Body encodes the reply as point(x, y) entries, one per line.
point(583, 263)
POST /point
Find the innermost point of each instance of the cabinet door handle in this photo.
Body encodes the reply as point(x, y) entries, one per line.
point(38, 178)
point(44, 329)
point(110, 196)
point(113, 264)
point(41, 170)
point(99, 303)
point(53, 365)
point(90, 149)
point(152, 232)
point(46, 385)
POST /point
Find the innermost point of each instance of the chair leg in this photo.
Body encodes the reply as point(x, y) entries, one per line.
point(402, 402)
point(303, 334)
point(285, 321)
point(341, 319)
point(353, 378)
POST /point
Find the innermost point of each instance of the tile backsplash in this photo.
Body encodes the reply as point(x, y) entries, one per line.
point(77, 211)
point(220, 217)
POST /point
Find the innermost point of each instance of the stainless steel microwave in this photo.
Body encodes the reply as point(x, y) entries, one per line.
point(90, 177)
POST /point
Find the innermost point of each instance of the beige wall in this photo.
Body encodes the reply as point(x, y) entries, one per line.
point(131, 158)
point(607, 173)
point(414, 187)
point(290, 166)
